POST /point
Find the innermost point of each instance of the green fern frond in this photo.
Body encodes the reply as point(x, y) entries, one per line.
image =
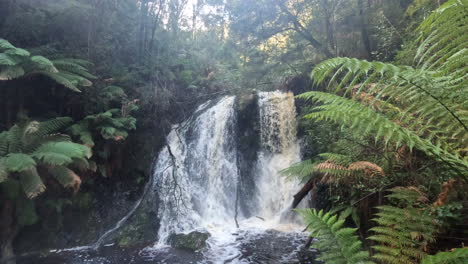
point(5, 45)
point(3, 171)
point(66, 177)
point(52, 126)
point(403, 232)
point(54, 151)
point(43, 64)
point(303, 170)
point(10, 73)
point(427, 104)
point(70, 65)
point(31, 182)
point(82, 131)
point(336, 243)
point(438, 42)
point(7, 60)
point(367, 122)
point(18, 52)
point(4, 136)
point(17, 162)
point(60, 79)
point(455, 256)
point(408, 195)
point(16, 63)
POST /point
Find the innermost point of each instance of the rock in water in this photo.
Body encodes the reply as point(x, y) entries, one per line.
point(192, 241)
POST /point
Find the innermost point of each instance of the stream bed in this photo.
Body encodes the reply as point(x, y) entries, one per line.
point(252, 246)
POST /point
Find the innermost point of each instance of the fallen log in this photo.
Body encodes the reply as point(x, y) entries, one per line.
point(303, 192)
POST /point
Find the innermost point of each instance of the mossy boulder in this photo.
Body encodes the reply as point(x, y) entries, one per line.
point(192, 241)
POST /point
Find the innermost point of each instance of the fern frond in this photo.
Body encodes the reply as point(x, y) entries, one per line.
point(4, 136)
point(403, 233)
point(60, 153)
point(437, 41)
point(31, 182)
point(60, 79)
point(303, 169)
point(18, 52)
point(71, 66)
point(52, 126)
point(18, 162)
point(10, 73)
point(5, 45)
point(3, 171)
point(336, 243)
point(455, 256)
point(66, 177)
point(367, 122)
point(43, 64)
point(7, 60)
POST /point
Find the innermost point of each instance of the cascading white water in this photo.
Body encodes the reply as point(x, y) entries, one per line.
point(279, 149)
point(197, 175)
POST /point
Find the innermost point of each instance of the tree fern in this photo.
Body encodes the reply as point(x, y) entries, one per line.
point(30, 144)
point(403, 232)
point(368, 122)
point(336, 243)
point(31, 182)
point(17, 63)
point(423, 106)
point(66, 177)
point(110, 124)
point(18, 162)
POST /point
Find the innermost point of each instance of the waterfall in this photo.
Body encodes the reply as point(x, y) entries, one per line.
point(226, 153)
point(197, 175)
point(279, 149)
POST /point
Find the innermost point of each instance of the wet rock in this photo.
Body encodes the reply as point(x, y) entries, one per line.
point(192, 241)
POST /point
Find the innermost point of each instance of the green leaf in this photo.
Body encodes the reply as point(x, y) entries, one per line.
point(31, 182)
point(66, 177)
point(458, 255)
point(3, 171)
point(5, 59)
point(18, 162)
point(43, 64)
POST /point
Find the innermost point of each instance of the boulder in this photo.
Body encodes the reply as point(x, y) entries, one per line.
point(192, 241)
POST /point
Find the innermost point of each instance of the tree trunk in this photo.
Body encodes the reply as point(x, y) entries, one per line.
point(364, 32)
point(302, 30)
point(303, 192)
point(328, 26)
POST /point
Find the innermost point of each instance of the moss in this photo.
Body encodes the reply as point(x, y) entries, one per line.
point(192, 241)
point(137, 230)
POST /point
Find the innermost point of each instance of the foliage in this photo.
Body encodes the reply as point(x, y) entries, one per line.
point(336, 243)
point(403, 232)
point(18, 63)
point(420, 107)
point(455, 256)
point(417, 118)
point(113, 124)
point(31, 145)
point(336, 168)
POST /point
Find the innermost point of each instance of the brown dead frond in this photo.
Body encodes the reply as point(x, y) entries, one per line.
point(334, 172)
point(369, 168)
point(443, 195)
